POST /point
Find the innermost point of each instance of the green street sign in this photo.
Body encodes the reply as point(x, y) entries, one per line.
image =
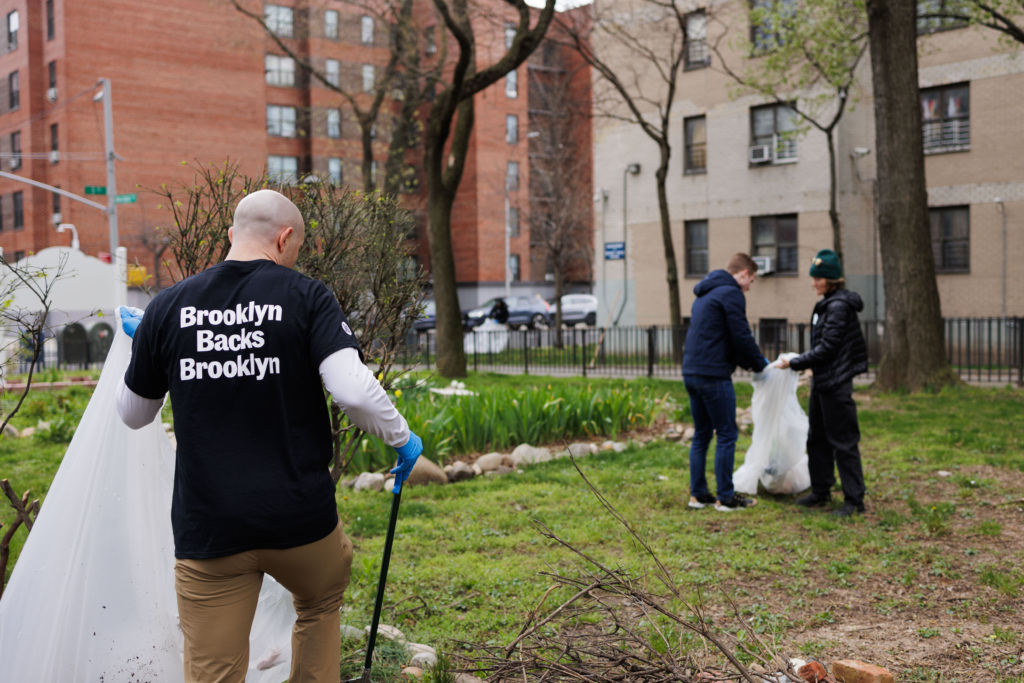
point(125, 198)
point(95, 189)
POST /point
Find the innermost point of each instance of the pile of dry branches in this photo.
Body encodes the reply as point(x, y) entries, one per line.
point(613, 628)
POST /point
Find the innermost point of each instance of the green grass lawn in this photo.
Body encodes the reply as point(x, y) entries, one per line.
point(929, 581)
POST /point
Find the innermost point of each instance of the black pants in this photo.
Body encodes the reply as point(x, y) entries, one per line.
point(832, 442)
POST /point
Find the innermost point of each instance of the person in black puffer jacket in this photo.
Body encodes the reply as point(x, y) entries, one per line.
point(838, 353)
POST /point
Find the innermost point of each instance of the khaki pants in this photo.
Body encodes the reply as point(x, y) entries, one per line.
point(217, 601)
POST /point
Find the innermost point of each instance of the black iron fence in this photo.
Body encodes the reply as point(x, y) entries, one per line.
point(981, 350)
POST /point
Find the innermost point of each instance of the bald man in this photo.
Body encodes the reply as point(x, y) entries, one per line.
point(242, 348)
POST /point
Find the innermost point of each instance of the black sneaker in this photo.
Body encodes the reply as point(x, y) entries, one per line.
point(737, 502)
point(849, 510)
point(700, 502)
point(814, 500)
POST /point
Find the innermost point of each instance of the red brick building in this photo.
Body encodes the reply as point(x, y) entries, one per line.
point(196, 81)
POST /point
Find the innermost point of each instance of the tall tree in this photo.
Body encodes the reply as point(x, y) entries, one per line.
point(446, 144)
point(806, 58)
point(639, 56)
point(560, 165)
point(913, 356)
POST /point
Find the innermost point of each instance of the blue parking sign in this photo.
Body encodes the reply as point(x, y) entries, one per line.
point(614, 251)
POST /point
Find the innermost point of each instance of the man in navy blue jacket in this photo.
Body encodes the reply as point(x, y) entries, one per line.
point(718, 340)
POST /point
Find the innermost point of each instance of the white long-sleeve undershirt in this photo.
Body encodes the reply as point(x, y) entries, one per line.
point(351, 385)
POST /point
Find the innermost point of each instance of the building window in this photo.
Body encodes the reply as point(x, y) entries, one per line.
point(512, 176)
point(430, 38)
point(13, 90)
point(366, 30)
point(773, 134)
point(56, 201)
point(511, 85)
point(15, 149)
point(946, 118)
point(930, 15)
point(18, 255)
point(373, 172)
point(2, 219)
point(12, 30)
point(695, 157)
point(775, 236)
point(696, 240)
point(280, 70)
point(510, 34)
point(280, 121)
point(369, 78)
point(332, 72)
point(512, 222)
point(951, 238)
point(331, 24)
point(767, 23)
point(511, 129)
point(697, 40)
point(280, 20)
point(333, 123)
point(54, 146)
point(284, 170)
point(51, 72)
point(19, 210)
point(50, 23)
point(334, 171)
point(513, 267)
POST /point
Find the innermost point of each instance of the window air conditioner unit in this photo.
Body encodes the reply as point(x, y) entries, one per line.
point(57, 219)
point(765, 265)
point(51, 94)
point(14, 162)
point(54, 156)
point(760, 154)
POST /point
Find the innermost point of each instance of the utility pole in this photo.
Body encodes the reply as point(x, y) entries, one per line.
point(108, 153)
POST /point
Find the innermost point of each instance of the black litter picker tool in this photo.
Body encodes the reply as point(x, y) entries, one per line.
point(379, 602)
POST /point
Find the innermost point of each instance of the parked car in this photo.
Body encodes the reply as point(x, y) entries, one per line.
point(531, 311)
point(427, 319)
point(576, 308)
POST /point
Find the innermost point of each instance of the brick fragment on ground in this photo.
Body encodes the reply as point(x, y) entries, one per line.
point(813, 672)
point(854, 671)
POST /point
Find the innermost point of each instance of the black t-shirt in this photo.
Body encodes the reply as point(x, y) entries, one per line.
point(239, 347)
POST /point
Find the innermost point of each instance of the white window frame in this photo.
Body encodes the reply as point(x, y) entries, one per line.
point(283, 169)
point(332, 72)
point(512, 176)
point(281, 121)
point(331, 20)
point(280, 20)
point(782, 142)
point(512, 85)
point(510, 34)
point(369, 78)
point(511, 129)
point(334, 170)
point(333, 123)
point(366, 30)
point(280, 70)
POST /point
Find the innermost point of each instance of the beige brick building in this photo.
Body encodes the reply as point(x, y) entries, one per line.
point(723, 200)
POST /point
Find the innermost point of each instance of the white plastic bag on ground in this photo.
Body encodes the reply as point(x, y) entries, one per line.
point(92, 595)
point(777, 457)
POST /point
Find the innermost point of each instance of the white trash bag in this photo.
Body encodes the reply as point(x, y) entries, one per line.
point(91, 597)
point(488, 337)
point(777, 457)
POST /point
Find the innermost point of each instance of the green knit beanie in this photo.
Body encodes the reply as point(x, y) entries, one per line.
point(826, 265)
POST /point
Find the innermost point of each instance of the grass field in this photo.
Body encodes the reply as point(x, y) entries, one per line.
point(930, 581)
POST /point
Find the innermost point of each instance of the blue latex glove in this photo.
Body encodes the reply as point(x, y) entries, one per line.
point(407, 456)
point(130, 319)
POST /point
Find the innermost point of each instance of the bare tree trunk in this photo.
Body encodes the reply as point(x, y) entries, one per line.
point(833, 190)
point(671, 271)
point(913, 356)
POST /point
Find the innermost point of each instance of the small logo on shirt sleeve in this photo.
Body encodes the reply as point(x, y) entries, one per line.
point(348, 330)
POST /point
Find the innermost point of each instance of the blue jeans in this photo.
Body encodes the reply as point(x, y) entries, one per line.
point(713, 406)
